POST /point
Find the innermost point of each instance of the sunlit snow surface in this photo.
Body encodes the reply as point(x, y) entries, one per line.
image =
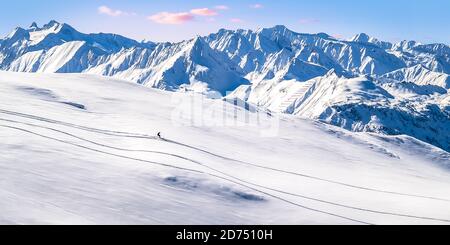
point(80, 149)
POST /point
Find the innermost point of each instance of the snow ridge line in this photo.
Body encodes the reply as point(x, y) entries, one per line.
point(188, 170)
point(230, 176)
point(143, 136)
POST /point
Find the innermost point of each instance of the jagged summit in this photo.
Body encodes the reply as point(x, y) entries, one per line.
point(197, 40)
point(324, 35)
point(279, 28)
point(362, 38)
point(34, 25)
point(18, 31)
point(52, 23)
point(277, 32)
point(405, 45)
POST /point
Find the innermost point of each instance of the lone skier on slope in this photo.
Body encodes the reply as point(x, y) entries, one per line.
point(159, 135)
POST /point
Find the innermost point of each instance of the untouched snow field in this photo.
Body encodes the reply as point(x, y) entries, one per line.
point(80, 149)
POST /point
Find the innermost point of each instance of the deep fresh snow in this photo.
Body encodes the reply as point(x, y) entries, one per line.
point(81, 149)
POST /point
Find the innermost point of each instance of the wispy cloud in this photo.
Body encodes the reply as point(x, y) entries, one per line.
point(338, 36)
point(183, 17)
point(236, 20)
point(257, 6)
point(204, 12)
point(308, 21)
point(171, 18)
point(222, 7)
point(112, 12)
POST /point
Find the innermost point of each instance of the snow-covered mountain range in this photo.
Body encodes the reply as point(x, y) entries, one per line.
point(361, 84)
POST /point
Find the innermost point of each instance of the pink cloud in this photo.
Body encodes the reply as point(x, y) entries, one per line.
point(111, 12)
point(338, 36)
point(204, 12)
point(171, 18)
point(236, 20)
point(222, 7)
point(308, 21)
point(257, 6)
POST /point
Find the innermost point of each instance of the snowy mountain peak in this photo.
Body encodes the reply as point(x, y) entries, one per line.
point(198, 41)
point(280, 28)
point(64, 31)
point(198, 47)
point(16, 33)
point(276, 32)
point(405, 45)
point(363, 38)
point(51, 24)
point(34, 25)
point(324, 35)
point(360, 38)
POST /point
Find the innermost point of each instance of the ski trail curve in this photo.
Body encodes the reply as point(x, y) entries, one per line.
point(189, 170)
point(144, 136)
point(238, 179)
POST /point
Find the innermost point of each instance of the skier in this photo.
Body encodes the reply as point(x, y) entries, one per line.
point(159, 135)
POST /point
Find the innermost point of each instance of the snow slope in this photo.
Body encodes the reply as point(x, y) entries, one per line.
point(421, 76)
point(80, 149)
point(362, 103)
point(271, 68)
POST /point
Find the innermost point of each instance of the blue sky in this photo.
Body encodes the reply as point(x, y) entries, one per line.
point(174, 20)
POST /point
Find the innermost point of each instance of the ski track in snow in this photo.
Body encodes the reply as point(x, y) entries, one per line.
point(228, 176)
point(136, 135)
point(194, 171)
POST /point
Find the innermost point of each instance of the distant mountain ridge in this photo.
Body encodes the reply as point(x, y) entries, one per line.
point(250, 55)
point(362, 84)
